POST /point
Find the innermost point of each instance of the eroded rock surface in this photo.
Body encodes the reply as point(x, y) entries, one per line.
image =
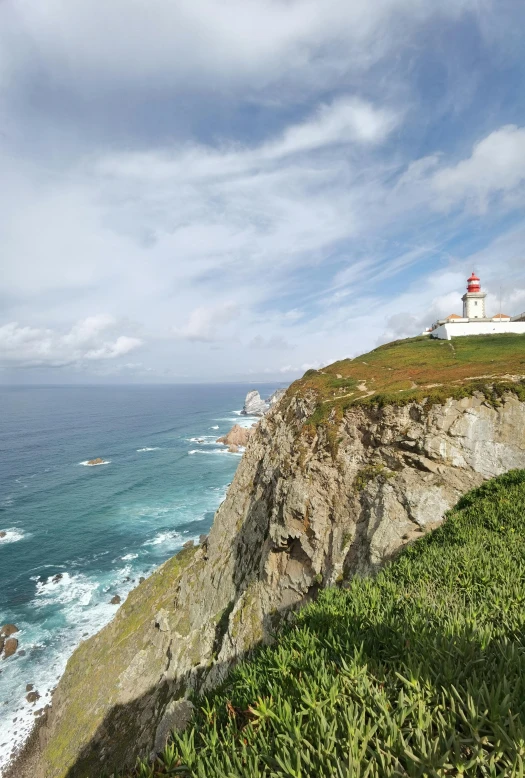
point(254, 405)
point(305, 509)
point(237, 436)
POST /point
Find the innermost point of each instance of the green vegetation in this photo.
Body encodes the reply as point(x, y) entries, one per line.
point(369, 473)
point(419, 671)
point(417, 369)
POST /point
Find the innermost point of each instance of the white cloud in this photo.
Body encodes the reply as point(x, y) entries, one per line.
point(343, 121)
point(86, 340)
point(204, 324)
point(205, 42)
point(496, 166)
point(275, 342)
point(347, 120)
point(213, 168)
point(122, 345)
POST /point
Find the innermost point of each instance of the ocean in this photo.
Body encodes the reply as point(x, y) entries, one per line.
point(78, 535)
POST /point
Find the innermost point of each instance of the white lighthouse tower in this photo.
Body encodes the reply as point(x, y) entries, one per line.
point(474, 299)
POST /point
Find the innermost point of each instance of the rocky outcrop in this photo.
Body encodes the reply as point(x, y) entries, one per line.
point(237, 436)
point(308, 507)
point(10, 647)
point(8, 629)
point(254, 405)
point(275, 397)
point(97, 461)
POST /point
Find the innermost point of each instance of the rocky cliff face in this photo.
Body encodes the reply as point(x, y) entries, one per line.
point(306, 509)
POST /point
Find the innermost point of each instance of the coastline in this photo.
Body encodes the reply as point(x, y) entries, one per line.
point(66, 584)
point(151, 500)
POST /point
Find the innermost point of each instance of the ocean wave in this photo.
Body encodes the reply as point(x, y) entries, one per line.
point(12, 534)
point(242, 421)
point(88, 463)
point(163, 537)
point(129, 557)
point(223, 450)
point(65, 588)
point(203, 440)
point(149, 448)
point(215, 427)
point(84, 603)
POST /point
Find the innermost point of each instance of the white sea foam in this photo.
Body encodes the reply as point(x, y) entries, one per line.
point(149, 448)
point(203, 440)
point(89, 463)
point(242, 421)
point(215, 427)
point(129, 557)
point(163, 537)
point(223, 450)
point(12, 535)
point(85, 607)
point(66, 589)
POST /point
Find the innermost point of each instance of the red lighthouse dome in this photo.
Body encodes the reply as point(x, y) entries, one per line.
point(473, 283)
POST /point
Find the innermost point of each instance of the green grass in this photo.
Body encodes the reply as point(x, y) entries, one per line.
point(419, 671)
point(417, 369)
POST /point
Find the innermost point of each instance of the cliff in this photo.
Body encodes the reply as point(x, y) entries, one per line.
point(337, 477)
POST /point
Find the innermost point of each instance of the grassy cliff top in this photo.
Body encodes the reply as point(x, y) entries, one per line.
point(418, 368)
point(418, 672)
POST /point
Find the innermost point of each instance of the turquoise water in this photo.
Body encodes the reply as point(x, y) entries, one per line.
point(102, 527)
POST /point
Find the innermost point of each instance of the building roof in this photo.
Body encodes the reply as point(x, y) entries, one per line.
point(454, 316)
point(501, 316)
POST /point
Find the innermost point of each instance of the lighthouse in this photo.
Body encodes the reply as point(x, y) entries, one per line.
point(474, 299)
point(474, 320)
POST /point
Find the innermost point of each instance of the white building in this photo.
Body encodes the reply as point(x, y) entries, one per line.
point(474, 320)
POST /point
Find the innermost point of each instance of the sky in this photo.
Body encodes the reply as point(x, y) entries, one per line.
point(241, 190)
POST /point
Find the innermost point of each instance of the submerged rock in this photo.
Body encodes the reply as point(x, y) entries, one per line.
point(116, 600)
point(3, 533)
point(97, 461)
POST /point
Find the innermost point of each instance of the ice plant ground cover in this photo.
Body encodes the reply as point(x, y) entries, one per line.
point(419, 671)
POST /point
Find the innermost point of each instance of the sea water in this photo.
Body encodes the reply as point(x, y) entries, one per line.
point(76, 535)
